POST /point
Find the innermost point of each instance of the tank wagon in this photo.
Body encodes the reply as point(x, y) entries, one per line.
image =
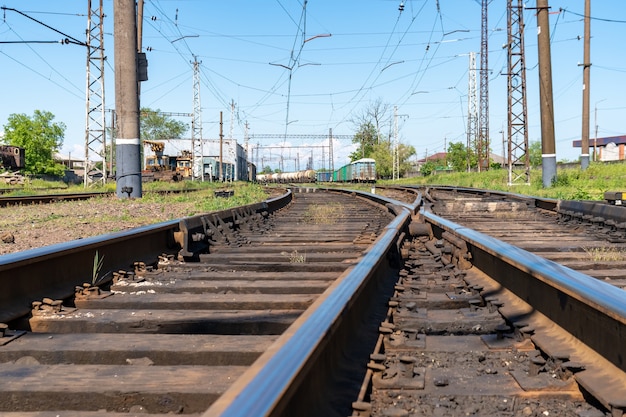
point(363, 170)
point(306, 176)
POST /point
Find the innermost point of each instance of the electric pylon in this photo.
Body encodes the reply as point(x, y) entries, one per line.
point(517, 155)
point(483, 118)
point(197, 148)
point(95, 134)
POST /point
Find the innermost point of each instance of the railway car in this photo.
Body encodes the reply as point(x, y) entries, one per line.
point(211, 169)
point(306, 176)
point(362, 170)
point(251, 172)
point(343, 174)
point(323, 176)
point(12, 157)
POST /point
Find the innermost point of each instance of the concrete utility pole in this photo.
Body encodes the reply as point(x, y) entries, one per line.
point(221, 146)
point(548, 147)
point(331, 158)
point(127, 152)
point(584, 151)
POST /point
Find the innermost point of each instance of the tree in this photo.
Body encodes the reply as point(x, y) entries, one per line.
point(457, 157)
point(366, 137)
point(40, 137)
point(383, 154)
point(156, 126)
point(534, 153)
point(405, 152)
point(384, 162)
point(428, 168)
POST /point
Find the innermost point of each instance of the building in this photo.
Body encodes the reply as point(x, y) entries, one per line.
point(232, 154)
point(606, 149)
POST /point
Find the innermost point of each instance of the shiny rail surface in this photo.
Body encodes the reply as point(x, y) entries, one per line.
point(6, 201)
point(478, 326)
point(49, 198)
point(453, 321)
point(217, 253)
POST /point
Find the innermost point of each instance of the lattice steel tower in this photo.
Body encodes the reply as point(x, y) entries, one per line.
point(483, 119)
point(472, 110)
point(197, 148)
point(95, 133)
point(518, 156)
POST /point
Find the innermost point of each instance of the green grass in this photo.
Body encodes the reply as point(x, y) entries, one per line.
point(570, 183)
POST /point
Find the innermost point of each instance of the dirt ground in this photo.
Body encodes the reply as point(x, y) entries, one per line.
point(33, 226)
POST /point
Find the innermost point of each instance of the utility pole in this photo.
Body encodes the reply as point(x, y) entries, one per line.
point(394, 151)
point(331, 162)
point(517, 152)
point(221, 147)
point(472, 110)
point(232, 119)
point(197, 148)
point(95, 132)
point(127, 149)
point(548, 147)
point(584, 151)
point(246, 140)
point(483, 118)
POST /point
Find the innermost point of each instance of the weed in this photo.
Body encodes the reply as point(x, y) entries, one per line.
point(606, 254)
point(97, 265)
point(323, 214)
point(295, 257)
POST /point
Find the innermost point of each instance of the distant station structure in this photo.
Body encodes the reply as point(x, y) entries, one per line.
point(605, 149)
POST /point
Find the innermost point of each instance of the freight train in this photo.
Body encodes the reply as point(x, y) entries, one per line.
point(363, 170)
point(287, 177)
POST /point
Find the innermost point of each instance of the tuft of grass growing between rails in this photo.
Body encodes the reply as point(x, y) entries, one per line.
point(295, 257)
point(323, 214)
point(605, 254)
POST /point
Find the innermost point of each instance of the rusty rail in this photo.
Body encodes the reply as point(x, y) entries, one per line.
point(590, 310)
point(26, 276)
point(269, 388)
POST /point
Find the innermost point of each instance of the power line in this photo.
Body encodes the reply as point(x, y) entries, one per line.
point(591, 17)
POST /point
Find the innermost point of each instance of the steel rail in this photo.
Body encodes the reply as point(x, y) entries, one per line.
point(592, 311)
point(53, 271)
point(268, 387)
point(544, 203)
point(49, 198)
point(53, 198)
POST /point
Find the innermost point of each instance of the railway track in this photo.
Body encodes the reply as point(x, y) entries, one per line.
point(479, 327)
point(549, 229)
point(7, 201)
point(174, 334)
point(270, 309)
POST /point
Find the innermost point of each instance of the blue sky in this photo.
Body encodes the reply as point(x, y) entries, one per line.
point(416, 59)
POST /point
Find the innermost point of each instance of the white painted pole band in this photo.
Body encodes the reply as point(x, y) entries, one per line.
point(134, 141)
